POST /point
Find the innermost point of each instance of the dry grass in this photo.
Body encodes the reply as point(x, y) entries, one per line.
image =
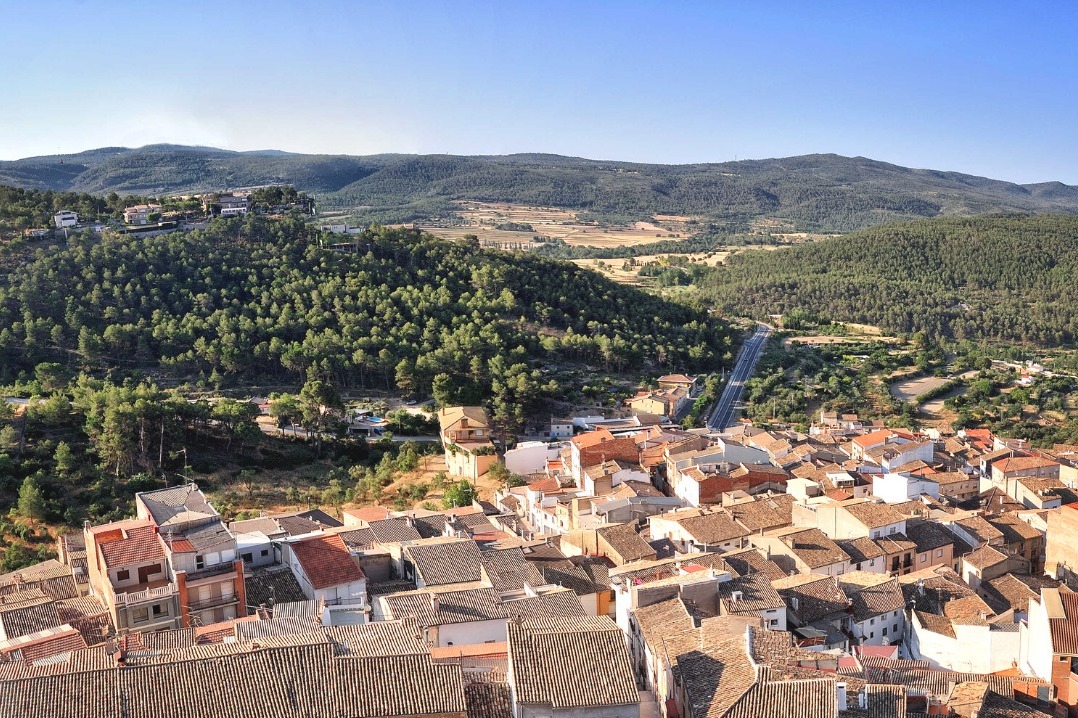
point(481, 218)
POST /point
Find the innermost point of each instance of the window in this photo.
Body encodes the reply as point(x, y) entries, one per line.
point(265, 552)
point(140, 615)
point(875, 534)
point(200, 561)
point(895, 628)
point(160, 609)
point(248, 558)
point(939, 553)
point(773, 622)
point(924, 557)
point(872, 634)
point(872, 621)
point(123, 574)
point(890, 530)
point(885, 630)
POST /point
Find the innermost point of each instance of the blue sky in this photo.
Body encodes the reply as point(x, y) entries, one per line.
point(985, 88)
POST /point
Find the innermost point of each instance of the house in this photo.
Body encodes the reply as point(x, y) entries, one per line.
point(1053, 644)
point(449, 616)
point(753, 595)
point(231, 204)
point(669, 402)
point(816, 609)
point(441, 561)
point(877, 606)
point(895, 488)
point(859, 517)
point(601, 479)
point(327, 572)
point(976, 644)
point(1006, 470)
point(466, 435)
point(957, 485)
point(560, 428)
point(802, 550)
point(598, 447)
point(690, 384)
point(696, 529)
point(65, 218)
point(140, 213)
point(128, 572)
point(545, 653)
point(865, 554)
point(1060, 540)
point(201, 553)
point(935, 545)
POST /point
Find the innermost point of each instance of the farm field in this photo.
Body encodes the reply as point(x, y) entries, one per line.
point(482, 218)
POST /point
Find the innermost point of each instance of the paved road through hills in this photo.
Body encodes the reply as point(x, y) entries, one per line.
point(726, 406)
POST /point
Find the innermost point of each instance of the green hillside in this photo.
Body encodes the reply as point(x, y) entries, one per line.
point(257, 300)
point(1005, 278)
point(814, 192)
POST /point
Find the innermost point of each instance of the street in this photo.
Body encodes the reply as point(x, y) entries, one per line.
point(726, 407)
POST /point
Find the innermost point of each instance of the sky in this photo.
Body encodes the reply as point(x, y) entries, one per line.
point(987, 88)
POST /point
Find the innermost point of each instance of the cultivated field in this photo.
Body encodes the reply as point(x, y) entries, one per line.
point(482, 219)
point(912, 388)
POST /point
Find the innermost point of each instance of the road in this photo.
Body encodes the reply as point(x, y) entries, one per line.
point(726, 406)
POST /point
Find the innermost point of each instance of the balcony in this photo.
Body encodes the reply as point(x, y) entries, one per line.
point(157, 593)
point(211, 602)
point(220, 569)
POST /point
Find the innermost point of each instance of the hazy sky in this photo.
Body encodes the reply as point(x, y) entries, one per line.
point(979, 87)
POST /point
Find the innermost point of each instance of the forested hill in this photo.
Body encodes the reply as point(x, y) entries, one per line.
point(257, 300)
point(1009, 278)
point(813, 192)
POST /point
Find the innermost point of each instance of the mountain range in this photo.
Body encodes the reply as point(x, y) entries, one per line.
point(822, 192)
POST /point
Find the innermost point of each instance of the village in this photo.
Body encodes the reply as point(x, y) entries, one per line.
point(636, 568)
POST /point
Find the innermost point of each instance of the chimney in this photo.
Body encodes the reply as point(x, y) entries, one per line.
point(736, 596)
point(434, 602)
point(840, 695)
point(795, 605)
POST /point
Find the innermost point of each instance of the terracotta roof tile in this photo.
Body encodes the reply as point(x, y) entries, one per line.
point(326, 561)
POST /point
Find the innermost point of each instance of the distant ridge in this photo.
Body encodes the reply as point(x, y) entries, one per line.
point(819, 192)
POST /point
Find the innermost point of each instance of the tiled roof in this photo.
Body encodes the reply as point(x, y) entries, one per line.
point(984, 557)
point(813, 698)
point(660, 620)
point(294, 680)
point(357, 539)
point(270, 586)
point(548, 605)
point(928, 535)
point(488, 700)
point(326, 561)
point(814, 548)
point(430, 526)
point(378, 638)
point(756, 595)
point(1023, 463)
point(543, 653)
point(438, 609)
point(980, 529)
point(937, 624)
point(208, 536)
point(132, 542)
point(872, 514)
point(972, 606)
point(509, 570)
point(1014, 529)
point(647, 571)
point(878, 600)
point(817, 596)
point(52, 577)
point(861, 549)
point(393, 531)
point(749, 560)
point(932, 589)
point(1009, 591)
point(445, 562)
point(297, 525)
point(26, 612)
point(1065, 630)
point(626, 542)
point(895, 543)
point(176, 505)
point(715, 676)
point(765, 513)
point(707, 527)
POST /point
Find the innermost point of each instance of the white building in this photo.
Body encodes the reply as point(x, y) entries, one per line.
point(897, 488)
point(65, 218)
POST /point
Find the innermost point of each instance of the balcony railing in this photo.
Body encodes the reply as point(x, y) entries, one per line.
point(212, 602)
point(148, 594)
point(210, 571)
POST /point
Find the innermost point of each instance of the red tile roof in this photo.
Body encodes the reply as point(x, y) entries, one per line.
point(326, 561)
point(128, 542)
point(1023, 463)
point(591, 438)
point(873, 438)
